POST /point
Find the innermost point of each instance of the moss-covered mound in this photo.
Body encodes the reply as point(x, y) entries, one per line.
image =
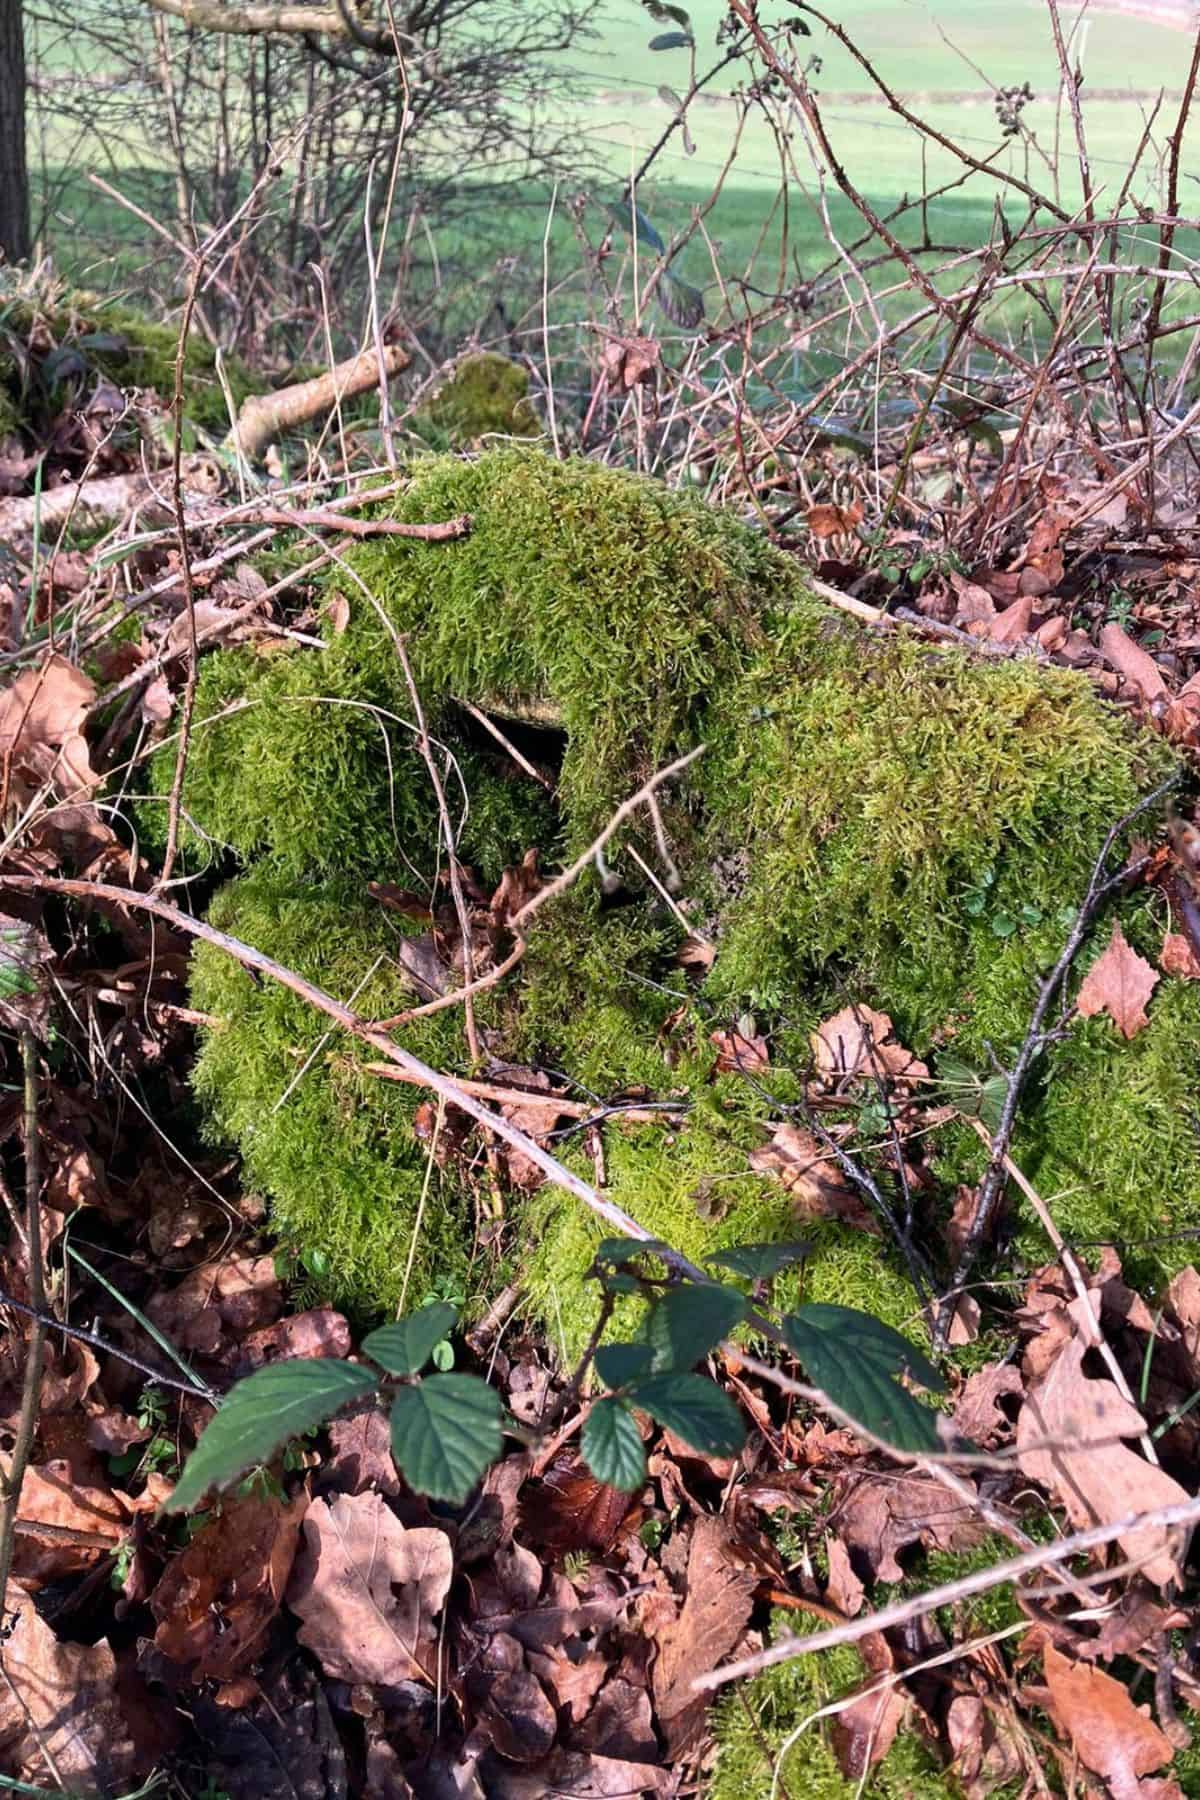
point(485, 395)
point(56, 343)
point(870, 818)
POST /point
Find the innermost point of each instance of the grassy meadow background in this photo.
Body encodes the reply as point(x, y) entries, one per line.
point(945, 58)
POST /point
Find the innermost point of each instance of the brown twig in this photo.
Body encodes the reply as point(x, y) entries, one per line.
point(12, 1479)
point(1044, 1556)
point(188, 707)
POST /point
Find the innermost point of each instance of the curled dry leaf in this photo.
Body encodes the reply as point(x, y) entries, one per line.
point(42, 717)
point(811, 1175)
point(1011, 625)
point(1132, 663)
point(1096, 1477)
point(834, 521)
point(1119, 982)
point(1108, 1733)
point(882, 1515)
point(368, 1591)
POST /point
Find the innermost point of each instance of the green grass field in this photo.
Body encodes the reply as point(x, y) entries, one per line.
point(940, 54)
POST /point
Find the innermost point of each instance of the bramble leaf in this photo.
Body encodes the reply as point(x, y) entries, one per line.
point(404, 1347)
point(612, 1445)
point(445, 1434)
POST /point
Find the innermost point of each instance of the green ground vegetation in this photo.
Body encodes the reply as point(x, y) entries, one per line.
point(871, 818)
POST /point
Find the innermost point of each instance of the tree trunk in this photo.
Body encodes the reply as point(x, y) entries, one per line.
point(15, 242)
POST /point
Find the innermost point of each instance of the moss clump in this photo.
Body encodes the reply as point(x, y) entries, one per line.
point(764, 1723)
point(335, 1148)
point(486, 395)
point(66, 339)
point(870, 817)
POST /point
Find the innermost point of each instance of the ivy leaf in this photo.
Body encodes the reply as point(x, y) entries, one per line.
point(754, 1262)
point(696, 1410)
point(405, 1347)
point(258, 1417)
point(617, 1364)
point(612, 1446)
point(685, 1324)
point(445, 1434)
point(854, 1359)
point(672, 40)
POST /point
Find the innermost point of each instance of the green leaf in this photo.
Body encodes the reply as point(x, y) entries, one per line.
point(622, 1250)
point(957, 1073)
point(641, 227)
point(696, 1410)
point(682, 303)
point(756, 1261)
point(672, 40)
point(854, 1359)
point(618, 1363)
point(612, 1445)
point(405, 1347)
point(992, 1097)
point(259, 1415)
point(445, 1434)
point(659, 9)
point(685, 1324)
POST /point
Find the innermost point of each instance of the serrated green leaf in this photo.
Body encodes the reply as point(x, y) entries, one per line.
point(612, 1446)
point(992, 1097)
point(696, 1410)
point(618, 1363)
point(405, 1347)
point(754, 1262)
point(685, 1324)
point(854, 1359)
point(258, 1417)
point(445, 1434)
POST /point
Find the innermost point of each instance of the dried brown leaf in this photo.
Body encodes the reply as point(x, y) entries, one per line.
point(882, 1515)
point(62, 1699)
point(217, 1599)
point(718, 1598)
point(1178, 958)
point(368, 1591)
point(859, 1041)
point(1108, 1733)
point(1119, 982)
point(42, 715)
point(1097, 1478)
point(740, 1055)
point(1132, 663)
point(811, 1175)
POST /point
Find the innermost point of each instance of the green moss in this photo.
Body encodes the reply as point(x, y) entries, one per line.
point(765, 1722)
point(334, 1147)
point(80, 336)
point(871, 817)
point(485, 395)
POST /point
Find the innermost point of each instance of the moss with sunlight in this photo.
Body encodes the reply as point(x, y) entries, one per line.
point(870, 817)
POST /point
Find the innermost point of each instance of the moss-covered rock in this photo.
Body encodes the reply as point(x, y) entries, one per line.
point(485, 395)
point(53, 339)
point(870, 816)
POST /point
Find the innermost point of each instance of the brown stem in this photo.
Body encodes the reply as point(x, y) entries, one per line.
point(12, 1479)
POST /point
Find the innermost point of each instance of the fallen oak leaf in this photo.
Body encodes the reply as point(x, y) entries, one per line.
point(1119, 982)
point(368, 1590)
point(1109, 1735)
